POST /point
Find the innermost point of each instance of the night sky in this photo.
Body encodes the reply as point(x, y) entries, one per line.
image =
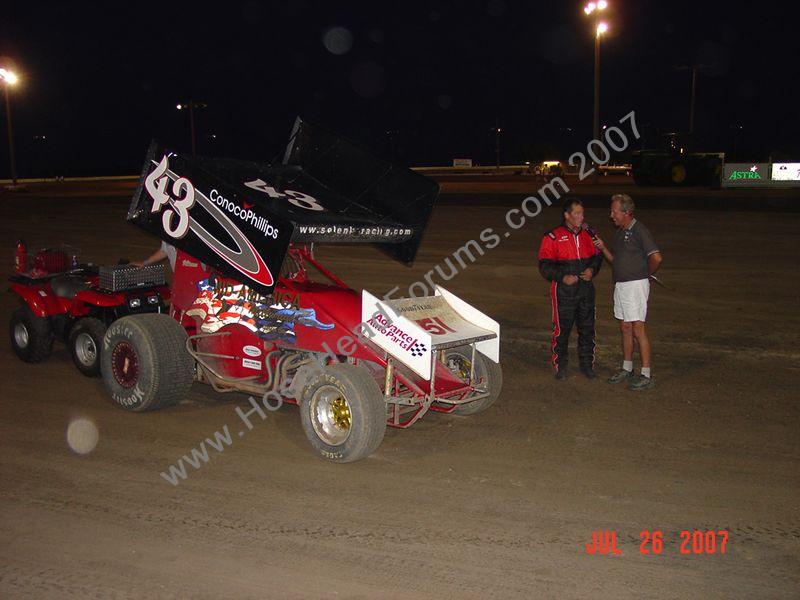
point(423, 82)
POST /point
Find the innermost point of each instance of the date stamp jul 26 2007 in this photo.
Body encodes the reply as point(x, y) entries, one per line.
point(692, 542)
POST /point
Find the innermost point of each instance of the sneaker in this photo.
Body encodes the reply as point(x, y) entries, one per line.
point(640, 382)
point(561, 374)
point(589, 373)
point(620, 376)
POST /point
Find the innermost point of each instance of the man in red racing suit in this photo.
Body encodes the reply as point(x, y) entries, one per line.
point(569, 259)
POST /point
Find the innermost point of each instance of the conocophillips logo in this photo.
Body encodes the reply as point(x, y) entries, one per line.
point(245, 213)
point(751, 174)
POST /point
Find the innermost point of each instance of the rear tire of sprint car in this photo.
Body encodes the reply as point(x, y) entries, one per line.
point(458, 361)
point(85, 342)
point(31, 336)
point(144, 362)
point(343, 413)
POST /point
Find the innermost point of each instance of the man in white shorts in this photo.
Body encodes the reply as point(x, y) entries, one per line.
point(634, 257)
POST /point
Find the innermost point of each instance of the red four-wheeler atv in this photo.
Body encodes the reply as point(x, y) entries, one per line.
point(75, 304)
point(252, 310)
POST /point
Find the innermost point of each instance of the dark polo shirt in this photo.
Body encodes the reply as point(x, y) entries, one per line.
point(631, 248)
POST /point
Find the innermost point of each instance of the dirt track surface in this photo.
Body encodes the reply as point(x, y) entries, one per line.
point(497, 505)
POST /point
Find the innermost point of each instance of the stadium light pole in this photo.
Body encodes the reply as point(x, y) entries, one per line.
point(498, 130)
point(600, 27)
point(694, 69)
point(10, 78)
point(191, 106)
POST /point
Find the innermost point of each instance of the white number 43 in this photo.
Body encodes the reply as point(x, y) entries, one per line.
point(297, 198)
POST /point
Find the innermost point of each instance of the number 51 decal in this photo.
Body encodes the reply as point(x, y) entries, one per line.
point(435, 326)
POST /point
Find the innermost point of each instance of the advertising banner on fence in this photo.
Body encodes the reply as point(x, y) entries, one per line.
point(786, 171)
point(746, 174)
point(750, 175)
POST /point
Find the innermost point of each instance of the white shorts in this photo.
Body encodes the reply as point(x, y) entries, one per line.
point(630, 300)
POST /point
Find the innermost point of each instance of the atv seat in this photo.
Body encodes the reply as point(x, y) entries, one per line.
point(66, 286)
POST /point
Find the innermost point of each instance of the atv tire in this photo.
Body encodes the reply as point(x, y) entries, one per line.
point(487, 372)
point(85, 341)
point(31, 336)
point(343, 413)
point(144, 362)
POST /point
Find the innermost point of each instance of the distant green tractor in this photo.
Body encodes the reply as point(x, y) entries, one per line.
point(674, 164)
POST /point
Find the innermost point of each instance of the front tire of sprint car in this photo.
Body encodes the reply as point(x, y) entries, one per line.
point(144, 362)
point(343, 413)
point(458, 361)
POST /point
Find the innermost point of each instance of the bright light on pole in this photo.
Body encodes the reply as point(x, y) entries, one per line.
point(191, 106)
point(600, 27)
point(10, 78)
point(497, 130)
point(593, 6)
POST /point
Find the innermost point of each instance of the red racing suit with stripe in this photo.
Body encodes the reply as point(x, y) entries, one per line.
point(567, 252)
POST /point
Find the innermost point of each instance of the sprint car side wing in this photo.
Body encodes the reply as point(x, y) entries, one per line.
point(412, 329)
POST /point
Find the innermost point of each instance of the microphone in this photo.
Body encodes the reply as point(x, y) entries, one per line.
point(589, 230)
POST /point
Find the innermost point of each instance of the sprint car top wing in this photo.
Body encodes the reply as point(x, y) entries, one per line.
point(240, 216)
point(359, 185)
point(334, 190)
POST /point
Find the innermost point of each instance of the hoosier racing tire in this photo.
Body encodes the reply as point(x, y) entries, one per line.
point(343, 413)
point(144, 362)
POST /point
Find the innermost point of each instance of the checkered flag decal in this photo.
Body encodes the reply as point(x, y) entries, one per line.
point(418, 349)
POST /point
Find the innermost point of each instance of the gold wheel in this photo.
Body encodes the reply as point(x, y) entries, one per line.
point(341, 413)
point(330, 415)
point(459, 365)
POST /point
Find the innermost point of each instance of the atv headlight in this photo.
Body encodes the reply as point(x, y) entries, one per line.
point(152, 299)
point(135, 302)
